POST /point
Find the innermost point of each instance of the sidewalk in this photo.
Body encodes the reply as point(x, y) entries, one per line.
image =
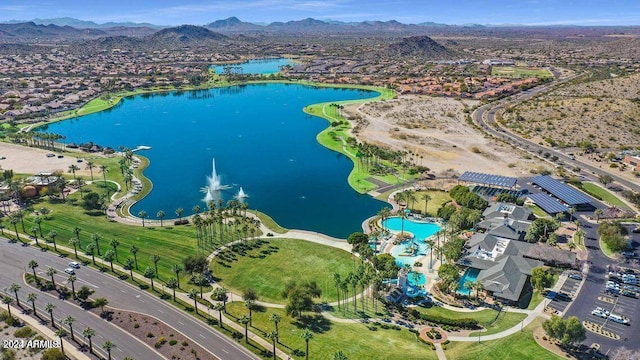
point(71, 350)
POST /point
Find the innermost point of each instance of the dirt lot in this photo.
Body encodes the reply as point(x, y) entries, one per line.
point(27, 160)
point(603, 113)
point(436, 129)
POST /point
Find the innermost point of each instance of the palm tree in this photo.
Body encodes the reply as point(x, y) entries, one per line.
point(101, 302)
point(96, 240)
point(7, 301)
point(52, 236)
point(201, 281)
point(89, 333)
point(244, 320)
point(431, 243)
point(51, 272)
point(426, 197)
point(74, 242)
point(598, 214)
point(478, 286)
point(31, 297)
point(91, 250)
point(128, 265)
point(468, 285)
point(572, 245)
point(337, 281)
point(114, 244)
point(179, 212)
point(49, 308)
point(176, 268)
point(72, 279)
point(339, 356)
point(173, 284)
point(160, 216)
point(403, 215)
point(273, 336)
point(76, 232)
point(250, 304)
point(90, 166)
point(72, 169)
point(38, 221)
point(134, 251)
point(579, 235)
point(150, 273)
point(142, 214)
point(14, 221)
point(33, 265)
point(220, 308)
point(193, 294)
point(15, 288)
point(60, 333)
point(69, 320)
point(109, 256)
point(571, 212)
point(410, 196)
point(108, 345)
point(155, 258)
point(306, 336)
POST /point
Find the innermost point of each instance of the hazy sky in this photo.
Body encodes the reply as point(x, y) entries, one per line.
point(173, 12)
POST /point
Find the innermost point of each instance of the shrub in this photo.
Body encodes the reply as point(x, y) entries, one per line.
point(24, 332)
point(173, 342)
point(136, 325)
point(185, 343)
point(150, 335)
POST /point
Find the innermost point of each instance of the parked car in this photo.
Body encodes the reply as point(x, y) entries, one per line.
point(50, 155)
point(575, 276)
point(628, 253)
point(70, 271)
point(619, 319)
point(74, 265)
point(631, 294)
point(599, 313)
point(562, 296)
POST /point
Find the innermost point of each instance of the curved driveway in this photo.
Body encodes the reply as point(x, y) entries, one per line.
point(121, 295)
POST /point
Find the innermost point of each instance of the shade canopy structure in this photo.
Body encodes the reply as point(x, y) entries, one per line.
point(488, 179)
point(560, 190)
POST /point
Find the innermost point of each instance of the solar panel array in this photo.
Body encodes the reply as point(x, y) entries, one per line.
point(560, 190)
point(547, 203)
point(488, 179)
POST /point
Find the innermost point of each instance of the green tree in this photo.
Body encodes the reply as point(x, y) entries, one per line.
point(339, 355)
point(275, 318)
point(244, 320)
point(52, 236)
point(108, 346)
point(15, 288)
point(300, 297)
point(33, 265)
point(31, 297)
point(90, 250)
point(101, 302)
point(128, 265)
point(142, 215)
point(114, 244)
point(84, 293)
point(306, 336)
point(69, 320)
point(173, 285)
point(49, 307)
point(89, 333)
point(219, 307)
point(176, 269)
point(273, 336)
point(134, 251)
point(51, 272)
point(150, 274)
point(540, 230)
point(72, 280)
point(109, 257)
point(160, 216)
point(193, 294)
point(7, 301)
point(96, 241)
point(605, 179)
point(179, 212)
point(74, 242)
point(541, 279)
point(61, 333)
point(448, 273)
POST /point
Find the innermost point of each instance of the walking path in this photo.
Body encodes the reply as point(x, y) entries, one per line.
point(440, 352)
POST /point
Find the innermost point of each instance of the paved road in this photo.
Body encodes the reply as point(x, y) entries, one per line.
point(13, 260)
point(123, 296)
point(484, 116)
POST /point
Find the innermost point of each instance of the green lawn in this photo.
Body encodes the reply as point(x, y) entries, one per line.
point(296, 260)
point(605, 195)
point(173, 244)
point(355, 340)
point(537, 211)
point(488, 319)
point(437, 199)
point(605, 249)
point(519, 72)
point(535, 300)
point(269, 222)
point(521, 346)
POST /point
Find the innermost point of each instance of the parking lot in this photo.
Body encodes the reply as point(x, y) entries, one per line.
point(569, 287)
point(615, 303)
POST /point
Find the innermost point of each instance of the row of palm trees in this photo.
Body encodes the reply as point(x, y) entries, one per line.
point(364, 277)
point(37, 139)
point(88, 333)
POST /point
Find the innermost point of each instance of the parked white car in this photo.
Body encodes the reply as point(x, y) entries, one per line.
point(70, 271)
point(619, 319)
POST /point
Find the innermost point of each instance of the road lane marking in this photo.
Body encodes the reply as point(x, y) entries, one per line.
point(202, 336)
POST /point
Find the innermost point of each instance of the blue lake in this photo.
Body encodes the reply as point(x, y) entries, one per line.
point(260, 139)
point(260, 66)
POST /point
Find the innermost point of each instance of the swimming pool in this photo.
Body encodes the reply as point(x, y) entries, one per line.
point(408, 252)
point(469, 275)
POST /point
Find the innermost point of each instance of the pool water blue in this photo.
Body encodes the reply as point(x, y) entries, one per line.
point(417, 279)
point(260, 139)
point(260, 66)
point(420, 231)
point(469, 275)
